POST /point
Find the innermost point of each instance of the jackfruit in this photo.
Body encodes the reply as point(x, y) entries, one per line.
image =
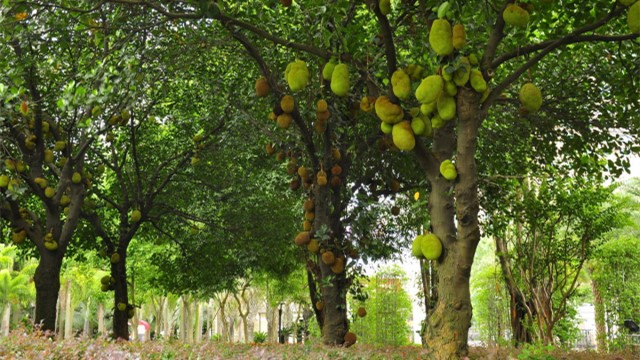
point(362, 312)
point(284, 120)
point(515, 15)
point(387, 111)
point(328, 258)
point(462, 73)
point(328, 68)
point(401, 84)
point(287, 104)
point(416, 247)
point(321, 178)
point(386, 128)
point(477, 81)
point(313, 246)
point(531, 97)
point(367, 103)
point(459, 36)
point(51, 245)
point(338, 266)
point(403, 136)
point(428, 108)
point(414, 71)
point(115, 258)
point(431, 247)
point(450, 88)
point(437, 122)
point(448, 170)
point(418, 126)
point(429, 89)
point(302, 238)
point(340, 80)
point(322, 105)
point(297, 75)
point(262, 87)
point(441, 37)
point(633, 18)
point(446, 107)
point(385, 7)
point(136, 215)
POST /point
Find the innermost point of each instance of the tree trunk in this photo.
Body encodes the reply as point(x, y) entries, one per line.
point(601, 328)
point(120, 318)
point(199, 323)
point(271, 314)
point(47, 282)
point(68, 312)
point(86, 328)
point(102, 329)
point(6, 319)
point(134, 320)
point(448, 326)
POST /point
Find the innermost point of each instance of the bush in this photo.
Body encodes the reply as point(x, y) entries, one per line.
point(259, 337)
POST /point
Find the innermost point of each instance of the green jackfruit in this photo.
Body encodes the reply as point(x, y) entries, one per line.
point(514, 15)
point(385, 7)
point(403, 136)
point(462, 73)
point(626, 2)
point(327, 70)
point(429, 89)
point(441, 37)
point(416, 247)
point(386, 127)
point(401, 84)
point(297, 75)
point(431, 247)
point(448, 170)
point(437, 122)
point(387, 111)
point(530, 97)
point(446, 107)
point(450, 88)
point(428, 108)
point(418, 126)
point(477, 81)
point(633, 18)
point(340, 80)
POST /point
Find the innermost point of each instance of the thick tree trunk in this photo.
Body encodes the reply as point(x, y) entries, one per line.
point(120, 318)
point(519, 320)
point(448, 326)
point(68, 312)
point(47, 282)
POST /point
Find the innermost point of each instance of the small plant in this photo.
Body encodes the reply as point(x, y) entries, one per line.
point(216, 337)
point(536, 352)
point(259, 337)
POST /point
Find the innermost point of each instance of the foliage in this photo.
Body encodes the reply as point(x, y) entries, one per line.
point(388, 309)
point(259, 337)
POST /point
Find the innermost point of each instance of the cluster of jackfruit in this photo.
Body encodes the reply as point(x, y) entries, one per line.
point(444, 39)
point(338, 76)
point(427, 246)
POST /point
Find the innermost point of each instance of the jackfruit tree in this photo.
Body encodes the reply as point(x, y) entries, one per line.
point(497, 86)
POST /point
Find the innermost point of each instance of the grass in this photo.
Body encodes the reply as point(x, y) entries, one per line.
point(20, 345)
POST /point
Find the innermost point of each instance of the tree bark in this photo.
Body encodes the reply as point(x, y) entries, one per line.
point(6, 319)
point(86, 327)
point(102, 329)
point(68, 312)
point(47, 282)
point(448, 326)
point(120, 318)
point(199, 322)
point(601, 328)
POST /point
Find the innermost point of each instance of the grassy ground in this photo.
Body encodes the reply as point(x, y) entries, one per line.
point(23, 346)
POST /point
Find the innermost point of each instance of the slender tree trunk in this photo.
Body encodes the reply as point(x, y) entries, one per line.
point(134, 320)
point(6, 319)
point(102, 329)
point(601, 328)
point(189, 320)
point(61, 306)
point(120, 318)
point(47, 282)
point(272, 323)
point(199, 322)
point(68, 312)
point(86, 328)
